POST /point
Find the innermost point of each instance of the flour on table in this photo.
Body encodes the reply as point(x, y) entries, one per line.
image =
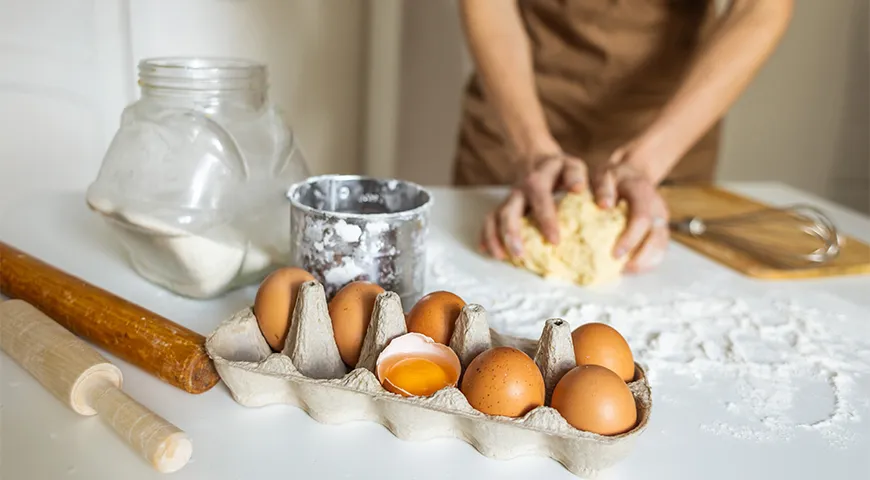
point(764, 351)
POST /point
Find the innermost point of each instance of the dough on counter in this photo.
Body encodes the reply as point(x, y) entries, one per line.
point(587, 235)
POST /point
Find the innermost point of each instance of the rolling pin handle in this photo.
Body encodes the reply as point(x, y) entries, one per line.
point(79, 376)
point(162, 444)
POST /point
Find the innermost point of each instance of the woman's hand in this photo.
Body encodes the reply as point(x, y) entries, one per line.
point(646, 234)
point(501, 231)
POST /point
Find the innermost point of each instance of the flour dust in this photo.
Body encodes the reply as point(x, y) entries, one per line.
point(767, 352)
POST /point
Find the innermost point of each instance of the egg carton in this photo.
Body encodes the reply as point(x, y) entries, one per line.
point(309, 374)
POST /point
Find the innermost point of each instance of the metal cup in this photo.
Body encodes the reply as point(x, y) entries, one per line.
point(345, 228)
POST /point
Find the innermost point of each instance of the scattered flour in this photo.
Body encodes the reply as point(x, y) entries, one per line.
point(765, 352)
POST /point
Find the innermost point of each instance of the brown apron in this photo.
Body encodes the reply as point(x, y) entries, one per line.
point(603, 70)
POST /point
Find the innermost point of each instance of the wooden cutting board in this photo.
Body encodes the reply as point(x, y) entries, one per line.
point(707, 201)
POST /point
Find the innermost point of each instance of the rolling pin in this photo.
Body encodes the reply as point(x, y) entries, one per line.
point(159, 346)
point(80, 377)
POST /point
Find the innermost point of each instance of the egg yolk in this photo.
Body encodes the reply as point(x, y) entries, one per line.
point(416, 377)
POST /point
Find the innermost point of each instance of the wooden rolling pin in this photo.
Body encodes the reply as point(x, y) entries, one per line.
point(80, 377)
point(159, 346)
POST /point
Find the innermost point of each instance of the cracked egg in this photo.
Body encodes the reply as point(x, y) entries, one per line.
point(414, 365)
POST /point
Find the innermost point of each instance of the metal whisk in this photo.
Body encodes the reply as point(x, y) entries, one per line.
point(769, 234)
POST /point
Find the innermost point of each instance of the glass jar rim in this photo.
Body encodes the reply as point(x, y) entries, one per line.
point(201, 72)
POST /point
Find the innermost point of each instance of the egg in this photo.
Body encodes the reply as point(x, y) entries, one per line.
point(435, 315)
point(415, 365)
point(351, 311)
point(275, 301)
point(503, 381)
point(600, 344)
point(594, 399)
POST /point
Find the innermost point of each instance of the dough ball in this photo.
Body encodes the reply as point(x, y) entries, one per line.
point(587, 236)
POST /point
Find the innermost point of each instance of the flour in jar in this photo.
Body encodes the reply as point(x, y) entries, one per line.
point(764, 352)
point(195, 266)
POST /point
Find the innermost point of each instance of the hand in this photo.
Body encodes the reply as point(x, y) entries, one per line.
point(501, 231)
point(646, 234)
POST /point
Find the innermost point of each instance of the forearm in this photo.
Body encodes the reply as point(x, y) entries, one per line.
point(726, 62)
point(500, 47)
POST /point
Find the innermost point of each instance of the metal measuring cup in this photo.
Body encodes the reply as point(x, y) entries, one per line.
point(345, 228)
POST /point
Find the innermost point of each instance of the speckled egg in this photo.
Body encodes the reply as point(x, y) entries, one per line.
point(594, 399)
point(503, 381)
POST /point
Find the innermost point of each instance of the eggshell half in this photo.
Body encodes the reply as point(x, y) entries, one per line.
point(416, 346)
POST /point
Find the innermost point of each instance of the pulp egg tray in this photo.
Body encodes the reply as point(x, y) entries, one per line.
point(309, 374)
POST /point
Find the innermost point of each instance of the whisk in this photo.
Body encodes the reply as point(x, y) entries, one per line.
point(769, 234)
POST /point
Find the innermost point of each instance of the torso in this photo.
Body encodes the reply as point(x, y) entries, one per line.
point(603, 70)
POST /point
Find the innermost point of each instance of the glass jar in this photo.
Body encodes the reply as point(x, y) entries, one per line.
point(194, 182)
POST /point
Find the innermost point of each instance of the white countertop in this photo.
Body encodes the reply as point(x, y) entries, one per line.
point(702, 426)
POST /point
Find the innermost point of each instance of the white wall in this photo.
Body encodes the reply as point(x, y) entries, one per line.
point(435, 66)
point(62, 86)
point(70, 69)
point(804, 120)
point(383, 81)
point(314, 49)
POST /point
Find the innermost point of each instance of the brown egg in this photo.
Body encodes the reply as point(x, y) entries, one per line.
point(503, 381)
point(600, 344)
point(275, 302)
point(594, 399)
point(351, 311)
point(435, 316)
